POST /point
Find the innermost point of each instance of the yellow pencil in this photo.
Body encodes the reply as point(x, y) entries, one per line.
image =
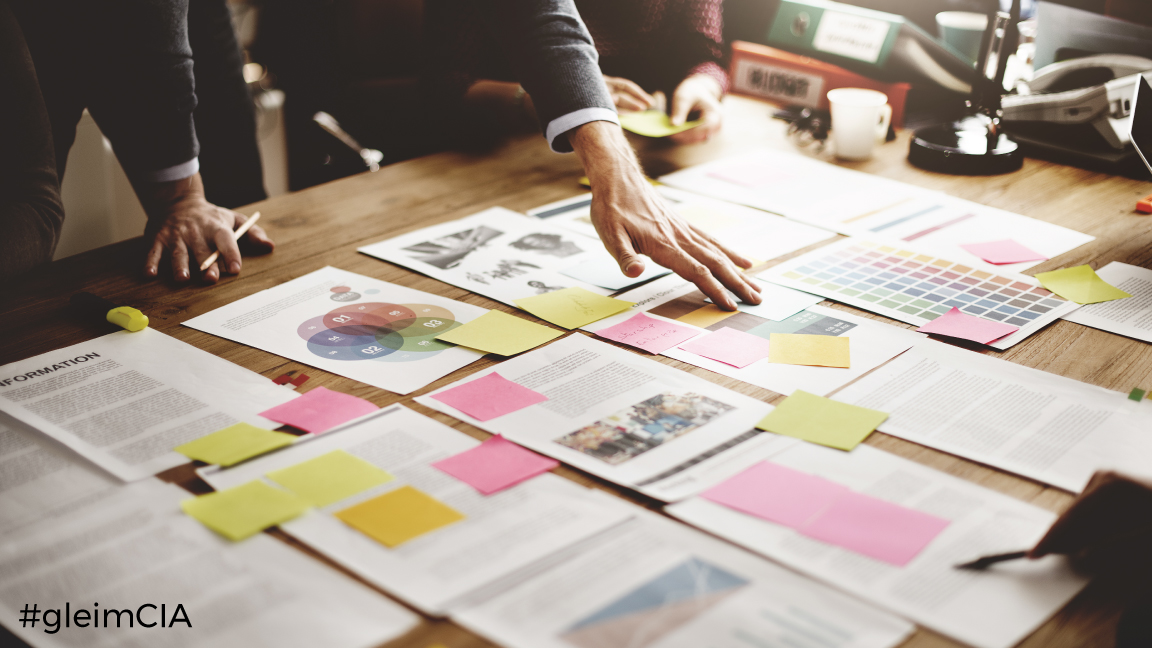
point(240, 231)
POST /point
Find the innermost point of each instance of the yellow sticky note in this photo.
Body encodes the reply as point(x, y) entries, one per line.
point(653, 123)
point(244, 510)
point(572, 307)
point(706, 316)
point(399, 516)
point(500, 333)
point(1080, 284)
point(234, 444)
point(822, 420)
point(331, 477)
point(800, 349)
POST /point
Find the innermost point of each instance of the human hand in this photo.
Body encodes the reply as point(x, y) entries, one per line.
point(626, 95)
point(699, 94)
point(632, 219)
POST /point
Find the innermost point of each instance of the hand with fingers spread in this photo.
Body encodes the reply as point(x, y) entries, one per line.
point(626, 95)
point(187, 229)
point(632, 219)
point(698, 97)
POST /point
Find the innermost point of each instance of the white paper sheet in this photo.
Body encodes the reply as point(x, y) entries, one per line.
point(369, 330)
point(658, 584)
point(1130, 317)
point(779, 303)
point(502, 535)
point(626, 418)
point(992, 609)
point(1046, 427)
point(126, 399)
point(136, 548)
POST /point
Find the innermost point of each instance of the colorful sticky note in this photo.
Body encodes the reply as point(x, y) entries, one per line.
point(822, 420)
point(875, 528)
point(815, 350)
point(1003, 251)
point(777, 494)
point(648, 333)
point(1080, 284)
point(958, 325)
point(729, 346)
point(245, 510)
point(399, 516)
point(572, 307)
point(319, 410)
point(234, 444)
point(500, 333)
point(495, 465)
point(603, 271)
point(1136, 394)
point(653, 123)
point(331, 477)
point(489, 396)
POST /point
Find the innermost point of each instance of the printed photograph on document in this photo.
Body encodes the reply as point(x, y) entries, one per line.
point(646, 425)
point(447, 251)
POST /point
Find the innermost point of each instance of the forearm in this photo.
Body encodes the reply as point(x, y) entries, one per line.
point(604, 152)
point(159, 199)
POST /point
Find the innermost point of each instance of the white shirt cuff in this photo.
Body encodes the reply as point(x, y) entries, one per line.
point(565, 123)
point(172, 173)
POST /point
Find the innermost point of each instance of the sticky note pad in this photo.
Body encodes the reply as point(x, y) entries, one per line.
point(1080, 284)
point(495, 465)
point(234, 444)
point(1003, 251)
point(959, 325)
point(648, 333)
point(500, 333)
point(778, 494)
point(814, 350)
point(399, 516)
point(822, 420)
point(1136, 394)
point(875, 528)
point(572, 307)
point(653, 123)
point(245, 510)
point(729, 346)
point(319, 410)
point(488, 397)
point(331, 477)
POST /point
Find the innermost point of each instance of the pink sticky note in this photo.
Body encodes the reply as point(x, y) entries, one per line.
point(486, 398)
point(777, 494)
point(875, 528)
point(495, 465)
point(958, 325)
point(319, 410)
point(648, 333)
point(1005, 251)
point(729, 346)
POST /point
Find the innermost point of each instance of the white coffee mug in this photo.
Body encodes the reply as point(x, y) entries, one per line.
point(860, 120)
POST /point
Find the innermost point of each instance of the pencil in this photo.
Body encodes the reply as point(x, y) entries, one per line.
point(240, 231)
point(987, 561)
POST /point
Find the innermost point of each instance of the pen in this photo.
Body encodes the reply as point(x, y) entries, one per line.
point(984, 562)
point(240, 231)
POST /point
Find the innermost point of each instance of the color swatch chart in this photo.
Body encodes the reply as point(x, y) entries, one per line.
point(914, 287)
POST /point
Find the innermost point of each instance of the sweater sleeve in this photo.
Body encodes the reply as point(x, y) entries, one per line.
point(700, 26)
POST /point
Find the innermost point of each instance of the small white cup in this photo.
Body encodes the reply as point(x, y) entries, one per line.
point(860, 121)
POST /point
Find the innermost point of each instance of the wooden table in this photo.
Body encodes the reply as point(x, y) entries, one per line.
point(324, 225)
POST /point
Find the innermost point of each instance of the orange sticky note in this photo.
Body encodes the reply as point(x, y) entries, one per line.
point(399, 516)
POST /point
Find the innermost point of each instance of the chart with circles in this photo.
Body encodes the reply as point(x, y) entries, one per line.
point(362, 329)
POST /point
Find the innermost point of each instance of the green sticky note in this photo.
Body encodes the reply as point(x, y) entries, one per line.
point(653, 123)
point(500, 333)
point(234, 444)
point(243, 511)
point(822, 420)
point(1081, 285)
point(1136, 394)
point(331, 477)
point(572, 307)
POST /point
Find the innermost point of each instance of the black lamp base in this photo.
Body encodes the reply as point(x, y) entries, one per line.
point(965, 148)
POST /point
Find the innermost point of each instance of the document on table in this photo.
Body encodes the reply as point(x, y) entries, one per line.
point(134, 552)
point(500, 536)
point(750, 232)
point(1045, 427)
point(626, 418)
point(1131, 317)
point(671, 298)
point(655, 583)
point(126, 399)
point(365, 329)
point(991, 609)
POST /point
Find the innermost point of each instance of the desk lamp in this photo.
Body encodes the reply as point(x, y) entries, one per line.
point(976, 144)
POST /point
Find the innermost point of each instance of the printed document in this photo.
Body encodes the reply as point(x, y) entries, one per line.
point(1131, 317)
